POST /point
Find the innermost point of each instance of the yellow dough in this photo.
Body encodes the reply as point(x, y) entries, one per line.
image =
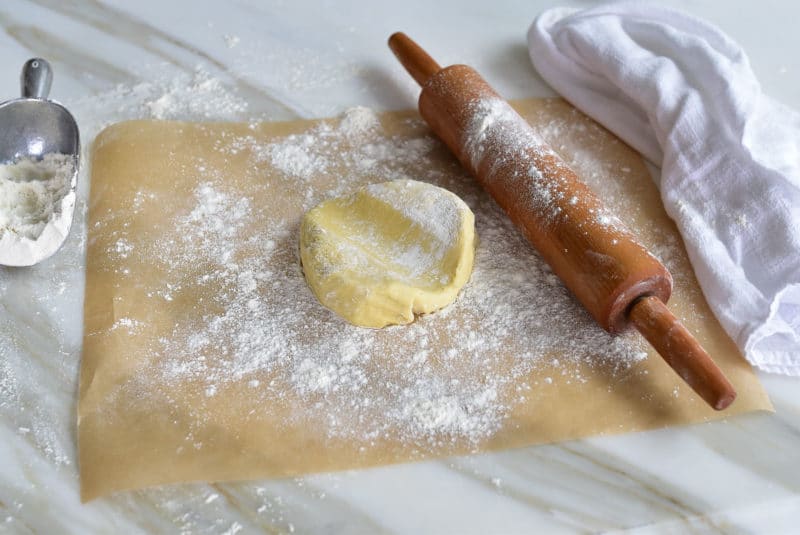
point(388, 251)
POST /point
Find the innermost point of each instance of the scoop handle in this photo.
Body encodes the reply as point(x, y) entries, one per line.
point(36, 79)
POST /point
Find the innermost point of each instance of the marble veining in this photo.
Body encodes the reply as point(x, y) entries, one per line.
point(308, 59)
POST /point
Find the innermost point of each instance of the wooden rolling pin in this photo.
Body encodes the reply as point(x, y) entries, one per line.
point(612, 275)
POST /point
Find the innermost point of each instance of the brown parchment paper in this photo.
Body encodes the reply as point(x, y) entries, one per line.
point(127, 440)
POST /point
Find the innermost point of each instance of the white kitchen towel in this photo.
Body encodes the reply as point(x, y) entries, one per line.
point(682, 93)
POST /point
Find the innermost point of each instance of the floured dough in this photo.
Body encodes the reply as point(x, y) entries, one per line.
point(389, 251)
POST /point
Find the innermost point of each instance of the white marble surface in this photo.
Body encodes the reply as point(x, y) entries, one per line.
point(277, 60)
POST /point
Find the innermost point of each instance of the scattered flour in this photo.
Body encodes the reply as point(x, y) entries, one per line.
point(203, 95)
point(194, 95)
point(232, 40)
point(357, 123)
point(267, 331)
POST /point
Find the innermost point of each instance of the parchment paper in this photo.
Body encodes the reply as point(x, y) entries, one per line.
point(134, 431)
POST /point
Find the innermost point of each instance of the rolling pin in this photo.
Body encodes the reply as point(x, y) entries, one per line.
point(608, 271)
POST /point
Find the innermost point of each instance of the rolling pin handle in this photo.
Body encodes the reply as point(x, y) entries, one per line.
point(681, 351)
point(415, 60)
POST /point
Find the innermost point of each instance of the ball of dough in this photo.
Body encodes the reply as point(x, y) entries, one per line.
point(388, 251)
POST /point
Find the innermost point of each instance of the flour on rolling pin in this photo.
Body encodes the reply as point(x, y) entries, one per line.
point(497, 129)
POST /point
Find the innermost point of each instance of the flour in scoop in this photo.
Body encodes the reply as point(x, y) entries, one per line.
point(31, 192)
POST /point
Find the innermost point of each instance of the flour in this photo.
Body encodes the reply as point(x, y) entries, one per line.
point(231, 41)
point(437, 214)
point(295, 157)
point(356, 141)
point(202, 96)
point(498, 140)
point(265, 331)
point(31, 192)
point(357, 123)
point(194, 95)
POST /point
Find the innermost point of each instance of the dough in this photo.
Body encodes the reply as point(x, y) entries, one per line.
point(388, 251)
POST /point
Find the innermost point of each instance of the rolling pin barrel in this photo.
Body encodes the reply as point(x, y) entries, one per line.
point(588, 248)
point(610, 273)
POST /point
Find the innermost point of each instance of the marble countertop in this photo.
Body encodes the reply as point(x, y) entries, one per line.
point(281, 60)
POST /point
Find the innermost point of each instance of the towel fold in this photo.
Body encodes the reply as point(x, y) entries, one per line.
point(682, 93)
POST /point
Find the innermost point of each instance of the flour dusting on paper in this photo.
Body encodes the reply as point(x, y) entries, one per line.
point(267, 332)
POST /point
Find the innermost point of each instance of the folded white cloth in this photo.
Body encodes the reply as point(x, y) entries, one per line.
point(682, 93)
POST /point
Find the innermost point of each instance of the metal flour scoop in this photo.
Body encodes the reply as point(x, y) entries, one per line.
point(31, 128)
